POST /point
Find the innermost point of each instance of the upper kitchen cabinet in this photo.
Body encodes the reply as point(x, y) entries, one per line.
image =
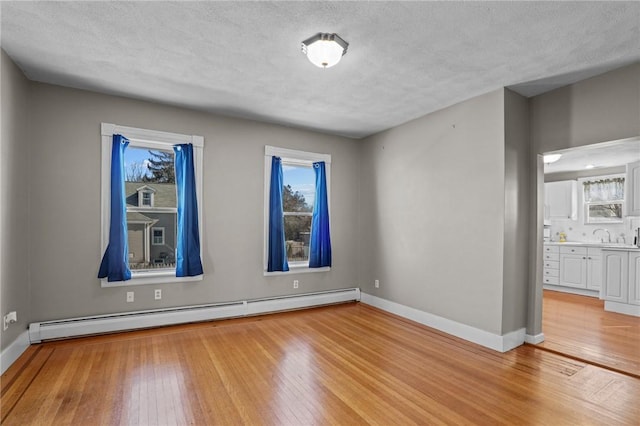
point(561, 200)
point(632, 191)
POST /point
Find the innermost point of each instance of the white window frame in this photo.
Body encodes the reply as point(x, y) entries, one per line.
point(153, 237)
point(585, 204)
point(141, 200)
point(150, 139)
point(301, 158)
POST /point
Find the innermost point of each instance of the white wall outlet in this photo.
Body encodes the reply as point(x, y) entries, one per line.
point(157, 294)
point(129, 296)
point(295, 283)
point(376, 283)
point(10, 318)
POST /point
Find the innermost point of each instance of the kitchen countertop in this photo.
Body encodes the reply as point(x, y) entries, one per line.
point(608, 246)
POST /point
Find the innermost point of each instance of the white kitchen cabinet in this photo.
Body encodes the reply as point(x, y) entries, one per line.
point(632, 189)
point(561, 200)
point(573, 266)
point(634, 278)
point(551, 270)
point(615, 276)
point(594, 268)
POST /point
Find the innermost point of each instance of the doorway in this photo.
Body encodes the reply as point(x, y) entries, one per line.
point(569, 305)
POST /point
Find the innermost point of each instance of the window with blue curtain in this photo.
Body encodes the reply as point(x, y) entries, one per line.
point(188, 262)
point(115, 262)
point(320, 242)
point(154, 233)
point(297, 231)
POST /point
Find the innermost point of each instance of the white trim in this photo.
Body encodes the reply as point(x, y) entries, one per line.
point(484, 338)
point(534, 339)
point(152, 139)
point(302, 158)
point(293, 155)
point(12, 352)
point(302, 269)
point(622, 308)
point(572, 290)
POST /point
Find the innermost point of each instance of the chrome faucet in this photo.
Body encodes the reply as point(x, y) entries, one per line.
point(602, 239)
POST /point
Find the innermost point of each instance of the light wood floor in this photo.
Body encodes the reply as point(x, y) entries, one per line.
point(579, 326)
point(345, 364)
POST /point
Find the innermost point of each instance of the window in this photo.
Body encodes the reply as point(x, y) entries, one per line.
point(298, 197)
point(157, 236)
point(603, 199)
point(146, 199)
point(151, 201)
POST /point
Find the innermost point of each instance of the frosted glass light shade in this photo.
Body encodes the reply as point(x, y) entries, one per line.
point(551, 158)
point(324, 50)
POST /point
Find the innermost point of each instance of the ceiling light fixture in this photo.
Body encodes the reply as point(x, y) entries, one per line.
point(551, 158)
point(324, 50)
point(589, 166)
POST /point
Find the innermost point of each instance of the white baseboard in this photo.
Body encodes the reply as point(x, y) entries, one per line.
point(570, 290)
point(12, 352)
point(496, 342)
point(534, 339)
point(622, 308)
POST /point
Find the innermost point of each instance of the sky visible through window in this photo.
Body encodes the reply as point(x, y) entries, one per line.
point(302, 180)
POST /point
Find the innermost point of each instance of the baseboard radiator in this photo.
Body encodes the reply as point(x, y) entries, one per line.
point(85, 326)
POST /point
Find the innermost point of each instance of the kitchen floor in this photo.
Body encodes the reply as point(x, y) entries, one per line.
point(578, 326)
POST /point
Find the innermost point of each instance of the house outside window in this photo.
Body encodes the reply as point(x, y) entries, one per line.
point(151, 200)
point(603, 199)
point(298, 201)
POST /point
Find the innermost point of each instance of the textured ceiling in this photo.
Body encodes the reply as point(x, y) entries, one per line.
point(243, 59)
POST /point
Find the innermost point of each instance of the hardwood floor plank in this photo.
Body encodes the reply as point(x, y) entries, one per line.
point(345, 364)
point(578, 326)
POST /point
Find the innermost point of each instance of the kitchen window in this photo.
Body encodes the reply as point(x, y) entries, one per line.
point(603, 199)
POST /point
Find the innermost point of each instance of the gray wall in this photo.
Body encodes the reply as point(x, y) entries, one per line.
point(599, 109)
point(517, 212)
point(65, 196)
point(14, 185)
point(432, 213)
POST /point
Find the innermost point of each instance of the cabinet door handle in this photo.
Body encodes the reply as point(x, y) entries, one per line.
point(583, 257)
point(589, 258)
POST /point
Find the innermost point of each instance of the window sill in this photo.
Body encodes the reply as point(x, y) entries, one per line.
point(298, 269)
point(142, 278)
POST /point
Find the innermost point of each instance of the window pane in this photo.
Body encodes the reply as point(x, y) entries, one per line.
point(150, 172)
point(299, 188)
point(297, 231)
point(599, 213)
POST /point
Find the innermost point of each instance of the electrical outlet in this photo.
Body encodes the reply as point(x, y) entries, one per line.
point(129, 296)
point(157, 294)
point(10, 318)
point(295, 283)
point(376, 283)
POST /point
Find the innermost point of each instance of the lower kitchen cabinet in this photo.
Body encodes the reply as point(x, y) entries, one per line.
point(573, 266)
point(594, 268)
point(616, 276)
point(634, 278)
